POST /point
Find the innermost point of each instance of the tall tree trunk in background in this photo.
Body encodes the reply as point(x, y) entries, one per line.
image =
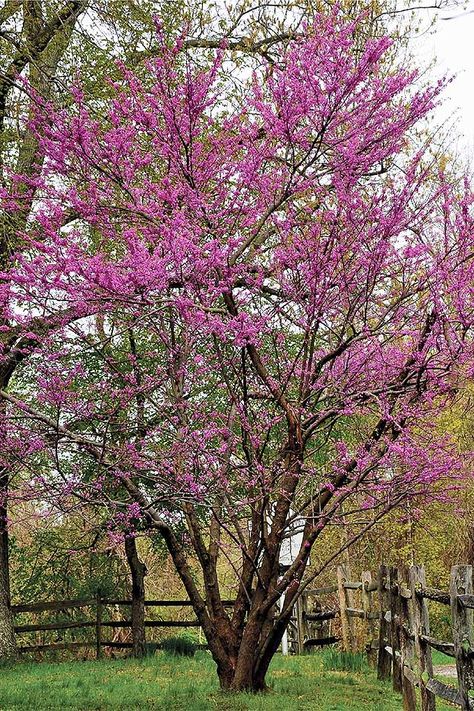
point(7, 633)
point(138, 572)
point(469, 544)
point(38, 46)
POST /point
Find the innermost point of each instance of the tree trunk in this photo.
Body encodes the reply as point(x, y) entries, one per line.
point(7, 632)
point(41, 49)
point(138, 572)
point(251, 664)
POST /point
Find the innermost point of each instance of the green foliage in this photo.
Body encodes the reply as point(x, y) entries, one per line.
point(440, 659)
point(182, 646)
point(151, 648)
point(64, 562)
point(334, 660)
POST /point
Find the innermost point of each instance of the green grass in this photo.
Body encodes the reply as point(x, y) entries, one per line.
point(439, 658)
point(183, 684)
point(334, 660)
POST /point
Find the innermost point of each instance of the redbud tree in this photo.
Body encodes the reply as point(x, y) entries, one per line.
point(243, 284)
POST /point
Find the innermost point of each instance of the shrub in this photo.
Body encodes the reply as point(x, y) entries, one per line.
point(150, 648)
point(179, 646)
point(334, 660)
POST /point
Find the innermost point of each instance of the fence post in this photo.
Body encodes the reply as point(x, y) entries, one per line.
point(347, 637)
point(370, 627)
point(98, 626)
point(395, 629)
point(462, 621)
point(351, 622)
point(301, 604)
point(384, 662)
point(421, 627)
point(407, 656)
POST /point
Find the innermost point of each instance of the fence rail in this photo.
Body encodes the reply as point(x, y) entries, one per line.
point(99, 603)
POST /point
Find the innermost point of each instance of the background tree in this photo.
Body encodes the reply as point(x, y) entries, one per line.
point(37, 46)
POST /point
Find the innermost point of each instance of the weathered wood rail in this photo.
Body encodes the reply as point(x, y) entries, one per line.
point(97, 622)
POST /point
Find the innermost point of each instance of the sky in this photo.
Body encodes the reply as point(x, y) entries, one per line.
point(451, 43)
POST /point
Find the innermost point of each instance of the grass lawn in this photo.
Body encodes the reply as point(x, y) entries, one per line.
point(172, 684)
point(441, 659)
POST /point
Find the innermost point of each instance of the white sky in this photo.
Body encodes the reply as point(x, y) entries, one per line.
point(451, 43)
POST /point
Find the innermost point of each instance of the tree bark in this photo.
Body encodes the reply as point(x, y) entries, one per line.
point(138, 571)
point(7, 632)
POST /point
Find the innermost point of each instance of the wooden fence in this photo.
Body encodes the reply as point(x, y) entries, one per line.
point(405, 636)
point(312, 622)
point(395, 621)
point(97, 622)
point(391, 622)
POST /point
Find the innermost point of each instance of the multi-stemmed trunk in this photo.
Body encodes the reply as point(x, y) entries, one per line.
point(252, 647)
point(244, 641)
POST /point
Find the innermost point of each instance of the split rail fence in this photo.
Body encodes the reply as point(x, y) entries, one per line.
point(98, 622)
point(395, 623)
point(392, 623)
